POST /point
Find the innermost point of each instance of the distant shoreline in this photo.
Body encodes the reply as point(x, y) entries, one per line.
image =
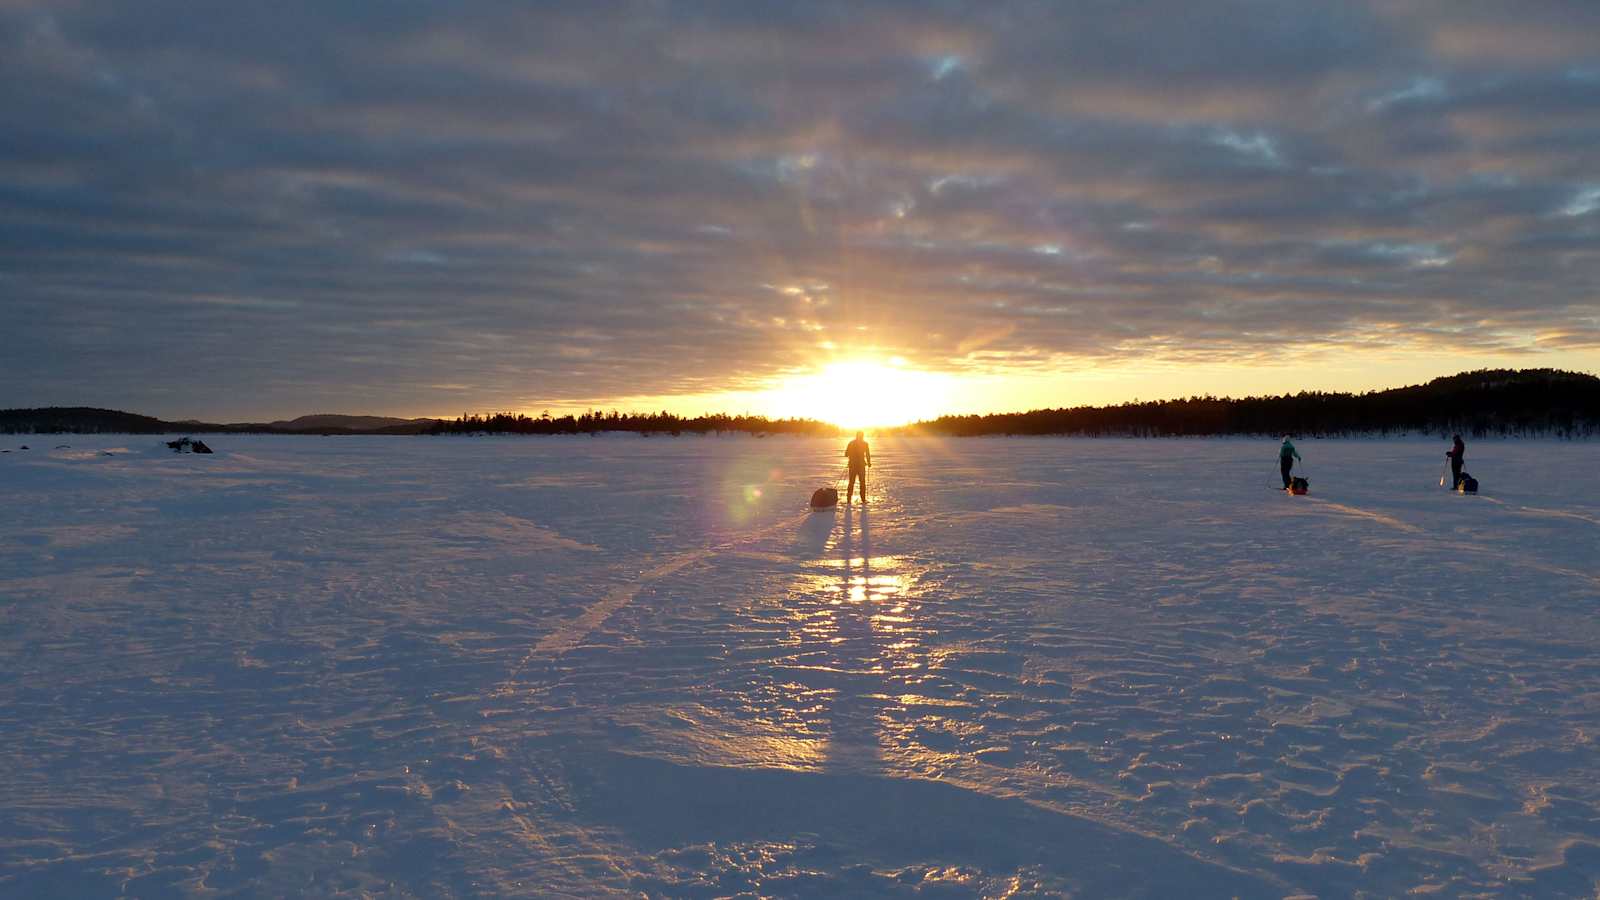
point(1482, 404)
point(876, 434)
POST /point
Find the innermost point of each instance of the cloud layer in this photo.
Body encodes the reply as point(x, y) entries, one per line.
point(424, 207)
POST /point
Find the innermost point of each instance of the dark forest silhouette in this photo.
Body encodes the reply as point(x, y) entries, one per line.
point(1491, 402)
point(81, 420)
point(92, 420)
point(593, 422)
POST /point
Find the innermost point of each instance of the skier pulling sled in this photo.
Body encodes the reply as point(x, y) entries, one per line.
point(1287, 456)
point(1459, 480)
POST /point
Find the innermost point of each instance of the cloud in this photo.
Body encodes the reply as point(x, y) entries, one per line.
point(563, 203)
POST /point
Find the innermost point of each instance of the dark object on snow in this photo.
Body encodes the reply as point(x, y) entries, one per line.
point(824, 497)
point(1298, 485)
point(63, 446)
point(1467, 484)
point(189, 445)
point(23, 447)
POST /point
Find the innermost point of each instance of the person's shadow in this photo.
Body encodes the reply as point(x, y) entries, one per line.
point(811, 538)
point(855, 657)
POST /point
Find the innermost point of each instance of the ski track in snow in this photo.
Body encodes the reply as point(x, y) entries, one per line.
point(567, 636)
point(591, 666)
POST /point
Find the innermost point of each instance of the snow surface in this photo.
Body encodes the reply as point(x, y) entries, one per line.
point(495, 666)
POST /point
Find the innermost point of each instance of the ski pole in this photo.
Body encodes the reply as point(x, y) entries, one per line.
point(1444, 471)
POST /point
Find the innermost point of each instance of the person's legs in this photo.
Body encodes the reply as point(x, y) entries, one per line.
point(851, 486)
point(1285, 465)
point(863, 485)
point(1455, 471)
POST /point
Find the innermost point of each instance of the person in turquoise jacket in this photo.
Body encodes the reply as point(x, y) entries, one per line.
point(1286, 457)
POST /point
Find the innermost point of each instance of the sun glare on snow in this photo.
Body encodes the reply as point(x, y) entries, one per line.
point(862, 394)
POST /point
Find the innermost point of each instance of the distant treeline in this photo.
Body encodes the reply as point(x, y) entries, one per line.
point(91, 420)
point(1529, 402)
point(594, 422)
point(79, 420)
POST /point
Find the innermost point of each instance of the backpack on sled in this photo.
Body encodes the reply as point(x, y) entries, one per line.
point(1298, 485)
point(824, 497)
point(1467, 484)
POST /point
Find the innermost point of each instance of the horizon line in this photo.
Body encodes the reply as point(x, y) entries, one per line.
point(577, 412)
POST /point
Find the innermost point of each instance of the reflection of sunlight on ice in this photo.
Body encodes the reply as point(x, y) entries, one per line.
point(780, 735)
point(856, 617)
point(860, 588)
point(862, 562)
point(859, 583)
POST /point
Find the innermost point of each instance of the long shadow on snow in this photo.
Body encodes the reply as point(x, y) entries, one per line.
point(855, 653)
point(889, 821)
point(811, 538)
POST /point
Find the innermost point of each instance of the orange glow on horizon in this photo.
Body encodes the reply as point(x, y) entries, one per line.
point(859, 393)
point(867, 391)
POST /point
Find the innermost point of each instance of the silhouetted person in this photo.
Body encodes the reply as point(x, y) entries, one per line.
point(860, 456)
point(1286, 457)
point(1457, 452)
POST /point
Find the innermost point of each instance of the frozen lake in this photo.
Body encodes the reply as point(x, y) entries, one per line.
point(494, 666)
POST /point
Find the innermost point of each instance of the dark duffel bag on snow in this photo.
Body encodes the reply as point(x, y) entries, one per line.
point(1467, 484)
point(1299, 485)
point(824, 497)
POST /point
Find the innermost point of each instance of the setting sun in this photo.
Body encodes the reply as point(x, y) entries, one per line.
point(860, 394)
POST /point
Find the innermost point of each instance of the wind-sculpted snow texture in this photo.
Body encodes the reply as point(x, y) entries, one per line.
point(475, 666)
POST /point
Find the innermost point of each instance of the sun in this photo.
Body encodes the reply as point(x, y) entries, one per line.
point(862, 394)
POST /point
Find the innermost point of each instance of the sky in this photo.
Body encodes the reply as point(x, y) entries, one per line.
point(250, 210)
